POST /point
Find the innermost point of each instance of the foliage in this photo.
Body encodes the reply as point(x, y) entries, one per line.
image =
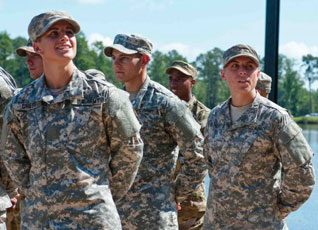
point(209, 87)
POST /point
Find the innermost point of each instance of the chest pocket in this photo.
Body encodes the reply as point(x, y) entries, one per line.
point(84, 120)
point(29, 117)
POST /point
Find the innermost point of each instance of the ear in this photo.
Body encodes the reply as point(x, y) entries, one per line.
point(192, 82)
point(258, 73)
point(145, 59)
point(36, 47)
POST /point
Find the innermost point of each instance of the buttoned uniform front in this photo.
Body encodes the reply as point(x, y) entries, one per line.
point(260, 167)
point(73, 154)
point(166, 123)
point(7, 89)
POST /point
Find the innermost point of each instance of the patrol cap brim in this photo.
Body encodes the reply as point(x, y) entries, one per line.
point(168, 71)
point(75, 25)
point(22, 51)
point(109, 50)
point(241, 55)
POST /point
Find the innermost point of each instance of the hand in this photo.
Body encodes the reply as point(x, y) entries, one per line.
point(178, 206)
point(14, 201)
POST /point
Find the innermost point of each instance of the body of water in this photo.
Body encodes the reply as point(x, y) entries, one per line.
point(306, 217)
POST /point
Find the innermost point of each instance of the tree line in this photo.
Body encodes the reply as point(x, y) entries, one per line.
point(209, 87)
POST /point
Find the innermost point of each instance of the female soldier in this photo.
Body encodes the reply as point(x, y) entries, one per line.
point(69, 137)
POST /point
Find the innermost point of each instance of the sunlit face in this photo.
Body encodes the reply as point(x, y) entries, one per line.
point(127, 67)
point(35, 65)
point(241, 75)
point(58, 43)
point(180, 84)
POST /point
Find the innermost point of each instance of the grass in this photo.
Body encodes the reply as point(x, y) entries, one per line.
point(306, 120)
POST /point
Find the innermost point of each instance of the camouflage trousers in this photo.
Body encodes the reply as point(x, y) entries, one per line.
point(13, 220)
point(191, 215)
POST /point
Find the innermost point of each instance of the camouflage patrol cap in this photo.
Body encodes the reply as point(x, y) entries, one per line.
point(129, 44)
point(239, 50)
point(183, 67)
point(42, 22)
point(22, 50)
point(264, 83)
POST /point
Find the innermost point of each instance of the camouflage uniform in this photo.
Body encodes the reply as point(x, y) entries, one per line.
point(191, 215)
point(7, 88)
point(72, 154)
point(166, 123)
point(260, 167)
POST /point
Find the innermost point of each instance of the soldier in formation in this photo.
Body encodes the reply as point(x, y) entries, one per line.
point(181, 82)
point(259, 161)
point(166, 124)
point(71, 140)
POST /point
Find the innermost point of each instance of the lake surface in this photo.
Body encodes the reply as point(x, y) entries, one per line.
point(306, 217)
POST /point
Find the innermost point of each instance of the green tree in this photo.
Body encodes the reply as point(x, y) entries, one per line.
point(104, 63)
point(159, 63)
point(291, 87)
point(209, 66)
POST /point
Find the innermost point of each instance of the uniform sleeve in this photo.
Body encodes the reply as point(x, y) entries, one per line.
point(125, 143)
point(17, 163)
point(298, 177)
point(186, 132)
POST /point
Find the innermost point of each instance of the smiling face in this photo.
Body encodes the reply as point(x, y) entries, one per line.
point(58, 43)
point(35, 64)
point(241, 75)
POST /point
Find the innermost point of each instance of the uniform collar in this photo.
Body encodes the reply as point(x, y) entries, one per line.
point(74, 89)
point(248, 118)
point(141, 93)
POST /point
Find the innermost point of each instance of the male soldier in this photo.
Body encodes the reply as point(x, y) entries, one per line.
point(166, 123)
point(7, 88)
point(71, 140)
point(181, 81)
point(33, 61)
point(259, 162)
point(263, 85)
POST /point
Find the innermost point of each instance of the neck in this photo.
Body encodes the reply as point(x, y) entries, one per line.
point(135, 84)
point(58, 75)
point(240, 100)
point(187, 98)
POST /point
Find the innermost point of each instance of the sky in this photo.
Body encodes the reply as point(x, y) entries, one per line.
point(190, 27)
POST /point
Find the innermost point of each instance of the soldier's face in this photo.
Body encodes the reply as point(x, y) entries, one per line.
point(241, 76)
point(58, 43)
point(127, 67)
point(180, 84)
point(35, 65)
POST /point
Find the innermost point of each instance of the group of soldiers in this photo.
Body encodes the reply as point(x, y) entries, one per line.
point(79, 153)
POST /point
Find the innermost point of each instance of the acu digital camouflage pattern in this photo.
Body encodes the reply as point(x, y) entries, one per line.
point(260, 167)
point(7, 88)
point(166, 123)
point(129, 44)
point(191, 215)
point(72, 154)
point(42, 22)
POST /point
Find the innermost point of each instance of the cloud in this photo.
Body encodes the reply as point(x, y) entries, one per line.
point(298, 49)
point(151, 5)
point(98, 37)
point(189, 52)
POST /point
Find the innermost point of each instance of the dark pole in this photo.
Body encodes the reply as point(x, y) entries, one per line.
point(271, 45)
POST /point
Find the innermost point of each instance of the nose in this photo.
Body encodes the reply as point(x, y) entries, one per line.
point(64, 36)
point(116, 62)
point(242, 72)
point(29, 60)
